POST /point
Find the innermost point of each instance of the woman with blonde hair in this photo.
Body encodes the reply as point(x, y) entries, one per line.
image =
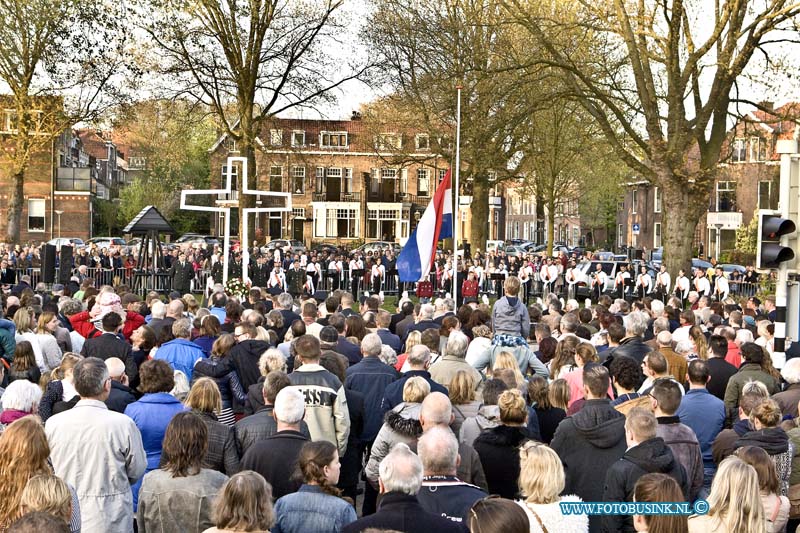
point(498, 447)
point(734, 505)
point(507, 360)
point(414, 338)
point(205, 401)
point(558, 394)
point(776, 507)
point(24, 452)
point(462, 398)
point(228, 383)
point(769, 436)
point(59, 393)
point(401, 424)
point(46, 335)
point(541, 481)
point(243, 505)
point(49, 494)
point(23, 321)
point(271, 360)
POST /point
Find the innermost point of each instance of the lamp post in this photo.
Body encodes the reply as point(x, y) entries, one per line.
point(718, 227)
point(59, 213)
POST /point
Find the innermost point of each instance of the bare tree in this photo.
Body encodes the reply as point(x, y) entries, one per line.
point(660, 83)
point(249, 60)
point(62, 61)
point(426, 49)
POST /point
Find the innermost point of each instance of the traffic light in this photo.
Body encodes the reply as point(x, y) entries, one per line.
point(771, 227)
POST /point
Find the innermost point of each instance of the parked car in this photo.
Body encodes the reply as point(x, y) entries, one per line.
point(296, 247)
point(190, 240)
point(324, 247)
point(585, 269)
point(106, 242)
point(495, 246)
point(377, 246)
point(728, 268)
point(67, 241)
point(699, 263)
point(516, 251)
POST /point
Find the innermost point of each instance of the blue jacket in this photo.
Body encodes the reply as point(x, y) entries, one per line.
point(705, 414)
point(349, 350)
point(390, 339)
point(152, 414)
point(181, 354)
point(7, 342)
point(309, 510)
point(370, 377)
point(394, 391)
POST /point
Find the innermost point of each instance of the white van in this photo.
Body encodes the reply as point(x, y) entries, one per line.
point(495, 246)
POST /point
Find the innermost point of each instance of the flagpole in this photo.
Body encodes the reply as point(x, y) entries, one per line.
point(457, 218)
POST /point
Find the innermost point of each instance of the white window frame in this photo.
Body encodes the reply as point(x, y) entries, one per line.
point(657, 200)
point(718, 190)
point(420, 136)
point(739, 152)
point(347, 180)
point(442, 174)
point(634, 200)
point(620, 235)
point(273, 175)
point(328, 135)
point(298, 172)
point(657, 235)
point(275, 137)
point(294, 134)
point(771, 183)
point(41, 207)
point(231, 144)
point(389, 141)
point(299, 212)
point(755, 146)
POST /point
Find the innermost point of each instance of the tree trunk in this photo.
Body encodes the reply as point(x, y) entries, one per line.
point(15, 199)
point(682, 210)
point(479, 208)
point(551, 230)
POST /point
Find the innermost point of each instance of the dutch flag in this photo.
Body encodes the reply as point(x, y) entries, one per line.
point(416, 258)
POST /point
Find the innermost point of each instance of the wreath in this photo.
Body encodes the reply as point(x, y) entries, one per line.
point(237, 287)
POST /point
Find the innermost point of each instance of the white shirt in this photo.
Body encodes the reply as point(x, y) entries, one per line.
point(682, 284)
point(600, 278)
point(644, 280)
point(721, 287)
point(702, 286)
point(664, 279)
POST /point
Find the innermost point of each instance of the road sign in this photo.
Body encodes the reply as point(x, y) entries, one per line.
point(636, 229)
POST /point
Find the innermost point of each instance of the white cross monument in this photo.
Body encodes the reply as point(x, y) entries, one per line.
point(224, 206)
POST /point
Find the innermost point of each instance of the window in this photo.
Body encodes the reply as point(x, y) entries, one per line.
point(657, 235)
point(299, 212)
point(298, 138)
point(388, 173)
point(9, 120)
point(36, 207)
point(404, 181)
point(739, 151)
point(298, 180)
point(341, 223)
point(347, 180)
point(137, 163)
point(234, 175)
point(657, 200)
point(619, 235)
point(388, 141)
point(275, 137)
point(442, 173)
point(726, 196)
point(230, 143)
point(335, 139)
point(758, 149)
point(319, 183)
point(382, 223)
point(275, 178)
point(634, 198)
point(767, 195)
point(422, 141)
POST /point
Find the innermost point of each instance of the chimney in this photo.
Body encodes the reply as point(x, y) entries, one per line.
point(767, 104)
point(356, 115)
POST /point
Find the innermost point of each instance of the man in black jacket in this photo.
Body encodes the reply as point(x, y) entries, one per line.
point(646, 454)
point(633, 344)
point(275, 457)
point(591, 440)
point(110, 345)
point(400, 481)
point(246, 353)
point(181, 273)
point(120, 395)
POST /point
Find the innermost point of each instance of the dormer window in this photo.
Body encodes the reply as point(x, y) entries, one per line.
point(422, 141)
point(333, 139)
point(275, 137)
point(298, 138)
point(388, 141)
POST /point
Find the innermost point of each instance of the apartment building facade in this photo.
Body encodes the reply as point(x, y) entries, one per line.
point(747, 180)
point(62, 177)
point(348, 180)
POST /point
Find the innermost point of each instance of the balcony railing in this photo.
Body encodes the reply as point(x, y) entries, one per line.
point(395, 197)
point(332, 196)
point(75, 179)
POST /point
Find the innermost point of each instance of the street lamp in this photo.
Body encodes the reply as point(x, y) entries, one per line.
point(59, 213)
point(718, 227)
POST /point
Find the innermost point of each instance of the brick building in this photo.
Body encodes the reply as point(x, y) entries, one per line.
point(348, 180)
point(747, 180)
point(61, 180)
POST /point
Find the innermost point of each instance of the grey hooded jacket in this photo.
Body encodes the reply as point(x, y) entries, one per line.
point(510, 316)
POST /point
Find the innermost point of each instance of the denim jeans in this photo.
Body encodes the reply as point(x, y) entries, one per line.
point(708, 476)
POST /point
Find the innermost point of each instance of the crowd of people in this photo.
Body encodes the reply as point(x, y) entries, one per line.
point(282, 412)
